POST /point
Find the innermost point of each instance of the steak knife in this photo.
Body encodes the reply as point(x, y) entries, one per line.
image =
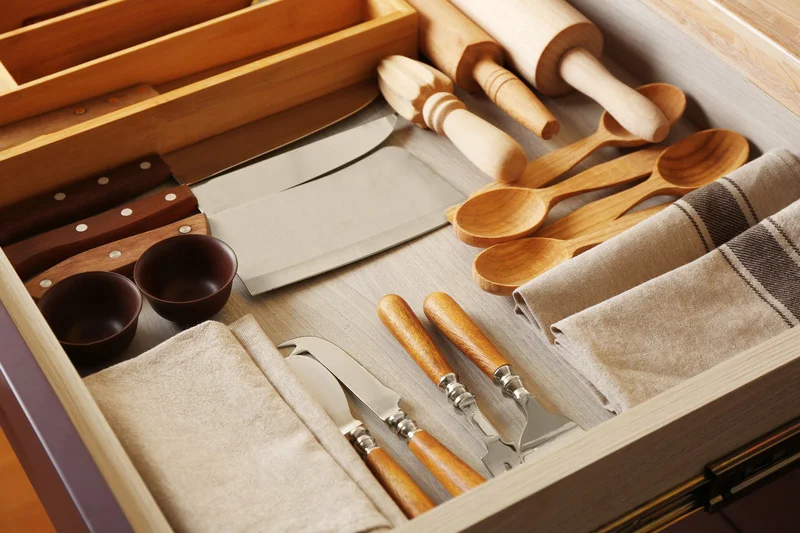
point(322, 386)
point(453, 473)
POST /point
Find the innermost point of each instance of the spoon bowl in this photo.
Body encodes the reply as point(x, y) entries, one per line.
point(504, 267)
point(689, 163)
point(483, 218)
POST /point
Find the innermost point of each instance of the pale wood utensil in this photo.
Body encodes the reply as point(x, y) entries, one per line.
point(556, 48)
point(505, 267)
point(423, 95)
point(514, 212)
point(686, 165)
point(509, 213)
point(474, 61)
point(541, 171)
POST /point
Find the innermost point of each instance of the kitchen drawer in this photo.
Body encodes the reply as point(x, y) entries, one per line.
point(581, 481)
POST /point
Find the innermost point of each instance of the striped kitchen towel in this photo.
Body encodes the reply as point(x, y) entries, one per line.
point(690, 228)
point(671, 328)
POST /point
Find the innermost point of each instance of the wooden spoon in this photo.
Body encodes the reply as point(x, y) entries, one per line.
point(507, 214)
point(504, 267)
point(539, 172)
point(687, 165)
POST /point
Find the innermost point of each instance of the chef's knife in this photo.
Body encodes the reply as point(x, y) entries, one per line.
point(449, 470)
point(35, 254)
point(400, 320)
point(322, 386)
point(118, 256)
point(541, 425)
point(81, 199)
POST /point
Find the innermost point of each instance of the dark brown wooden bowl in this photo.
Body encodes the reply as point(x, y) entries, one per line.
point(93, 315)
point(188, 278)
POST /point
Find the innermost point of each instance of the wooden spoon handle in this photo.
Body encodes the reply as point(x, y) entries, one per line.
point(453, 473)
point(543, 170)
point(514, 97)
point(456, 325)
point(400, 320)
point(635, 112)
point(489, 148)
point(611, 229)
point(398, 483)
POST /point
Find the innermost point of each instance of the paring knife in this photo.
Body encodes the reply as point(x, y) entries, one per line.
point(400, 320)
point(118, 256)
point(449, 470)
point(81, 199)
point(35, 254)
point(322, 386)
point(541, 425)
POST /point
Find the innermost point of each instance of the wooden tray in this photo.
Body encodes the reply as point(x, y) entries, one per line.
point(581, 482)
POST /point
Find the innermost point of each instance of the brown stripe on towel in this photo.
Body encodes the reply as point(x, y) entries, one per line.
point(769, 263)
point(698, 224)
point(719, 211)
point(736, 186)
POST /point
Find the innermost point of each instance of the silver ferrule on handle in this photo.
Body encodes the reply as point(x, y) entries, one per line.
point(402, 425)
point(363, 441)
point(456, 392)
point(511, 385)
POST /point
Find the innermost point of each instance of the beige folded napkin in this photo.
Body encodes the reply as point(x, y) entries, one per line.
point(218, 446)
point(671, 328)
point(686, 230)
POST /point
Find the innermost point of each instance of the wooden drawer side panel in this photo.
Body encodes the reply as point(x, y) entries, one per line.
point(15, 13)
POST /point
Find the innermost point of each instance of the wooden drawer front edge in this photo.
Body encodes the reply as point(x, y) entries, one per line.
point(55, 459)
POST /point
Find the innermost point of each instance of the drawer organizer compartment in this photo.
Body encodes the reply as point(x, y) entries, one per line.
point(191, 84)
point(200, 69)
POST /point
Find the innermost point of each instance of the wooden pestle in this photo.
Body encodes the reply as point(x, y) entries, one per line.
point(556, 48)
point(474, 61)
point(423, 95)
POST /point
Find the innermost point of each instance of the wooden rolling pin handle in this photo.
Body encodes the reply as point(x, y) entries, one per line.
point(633, 111)
point(402, 322)
point(514, 97)
point(489, 148)
point(456, 325)
point(398, 483)
point(453, 473)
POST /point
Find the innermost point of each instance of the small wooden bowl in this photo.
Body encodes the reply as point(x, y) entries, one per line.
point(188, 278)
point(93, 315)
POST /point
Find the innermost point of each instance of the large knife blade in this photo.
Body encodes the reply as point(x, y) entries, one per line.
point(455, 475)
point(322, 386)
point(292, 168)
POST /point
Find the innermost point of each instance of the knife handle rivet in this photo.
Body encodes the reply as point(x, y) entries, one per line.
point(80, 111)
point(116, 254)
point(113, 100)
point(80, 228)
point(144, 165)
point(126, 212)
point(103, 181)
point(59, 196)
point(45, 283)
point(171, 197)
point(185, 229)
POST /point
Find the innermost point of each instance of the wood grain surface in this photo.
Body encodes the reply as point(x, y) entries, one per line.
point(20, 508)
point(453, 473)
point(400, 486)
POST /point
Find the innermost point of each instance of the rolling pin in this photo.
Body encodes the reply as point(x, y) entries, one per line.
point(423, 96)
point(556, 48)
point(474, 61)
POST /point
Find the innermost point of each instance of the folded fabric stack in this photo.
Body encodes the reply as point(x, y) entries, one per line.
point(227, 440)
point(669, 298)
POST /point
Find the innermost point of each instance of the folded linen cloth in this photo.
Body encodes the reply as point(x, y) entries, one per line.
point(217, 445)
point(671, 328)
point(686, 230)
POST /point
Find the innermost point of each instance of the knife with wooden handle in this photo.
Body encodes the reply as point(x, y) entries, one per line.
point(38, 253)
point(81, 199)
point(118, 256)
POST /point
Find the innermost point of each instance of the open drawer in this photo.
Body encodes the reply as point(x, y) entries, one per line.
point(580, 482)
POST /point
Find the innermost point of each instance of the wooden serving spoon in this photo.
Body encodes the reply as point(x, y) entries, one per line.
point(504, 267)
point(508, 214)
point(539, 172)
point(687, 165)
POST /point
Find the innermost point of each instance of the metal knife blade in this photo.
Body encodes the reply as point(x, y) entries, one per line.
point(382, 400)
point(292, 168)
point(323, 387)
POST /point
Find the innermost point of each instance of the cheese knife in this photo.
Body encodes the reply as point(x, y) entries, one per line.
point(453, 473)
point(541, 425)
point(322, 386)
point(400, 320)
